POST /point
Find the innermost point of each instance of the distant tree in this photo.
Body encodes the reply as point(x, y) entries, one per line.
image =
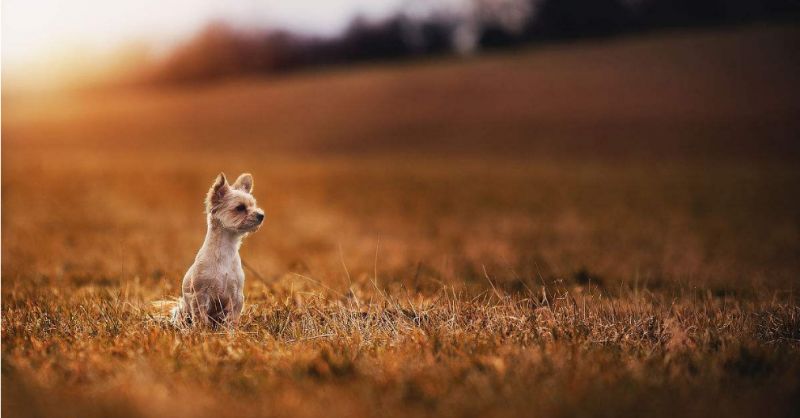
point(367, 40)
point(579, 18)
point(781, 7)
point(495, 36)
point(655, 13)
point(682, 12)
point(211, 54)
point(436, 34)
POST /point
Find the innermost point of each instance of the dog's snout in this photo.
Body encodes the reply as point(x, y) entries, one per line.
point(260, 216)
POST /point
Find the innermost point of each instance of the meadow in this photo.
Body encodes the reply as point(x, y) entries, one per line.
point(606, 228)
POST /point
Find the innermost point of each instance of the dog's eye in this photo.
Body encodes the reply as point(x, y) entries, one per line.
point(241, 208)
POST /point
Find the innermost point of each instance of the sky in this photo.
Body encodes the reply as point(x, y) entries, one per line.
point(33, 28)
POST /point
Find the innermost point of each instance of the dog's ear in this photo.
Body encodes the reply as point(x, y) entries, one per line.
point(244, 183)
point(217, 192)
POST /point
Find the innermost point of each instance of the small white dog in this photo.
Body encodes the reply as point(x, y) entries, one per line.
point(213, 288)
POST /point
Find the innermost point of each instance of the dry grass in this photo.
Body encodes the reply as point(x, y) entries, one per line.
point(555, 265)
point(302, 354)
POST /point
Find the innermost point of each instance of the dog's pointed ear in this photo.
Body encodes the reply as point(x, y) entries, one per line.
point(244, 183)
point(217, 192)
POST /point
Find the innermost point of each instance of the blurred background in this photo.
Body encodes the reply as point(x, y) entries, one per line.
point(91, 43)
point(617, 140)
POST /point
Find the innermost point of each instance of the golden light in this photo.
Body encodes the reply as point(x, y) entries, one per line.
point(60, 36)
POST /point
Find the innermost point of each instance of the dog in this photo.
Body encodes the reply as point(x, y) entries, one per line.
point(213, 287)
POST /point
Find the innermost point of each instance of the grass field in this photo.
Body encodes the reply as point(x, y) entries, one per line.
point(598, 229)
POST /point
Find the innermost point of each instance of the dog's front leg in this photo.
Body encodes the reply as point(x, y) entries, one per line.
point(234, 314)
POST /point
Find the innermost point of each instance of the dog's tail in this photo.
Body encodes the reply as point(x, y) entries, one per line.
point(166, 310)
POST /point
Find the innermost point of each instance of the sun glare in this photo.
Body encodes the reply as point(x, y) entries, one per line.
point(31, 29)
point(50, 43)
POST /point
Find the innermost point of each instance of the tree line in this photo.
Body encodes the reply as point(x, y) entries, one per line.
point(221, 51)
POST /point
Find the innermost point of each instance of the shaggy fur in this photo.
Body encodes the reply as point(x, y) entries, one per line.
point(213, 288)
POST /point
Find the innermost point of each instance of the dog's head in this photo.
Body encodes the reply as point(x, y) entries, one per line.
point(233, 206)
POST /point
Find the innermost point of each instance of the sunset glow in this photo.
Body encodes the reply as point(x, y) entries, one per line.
point(33, 29)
